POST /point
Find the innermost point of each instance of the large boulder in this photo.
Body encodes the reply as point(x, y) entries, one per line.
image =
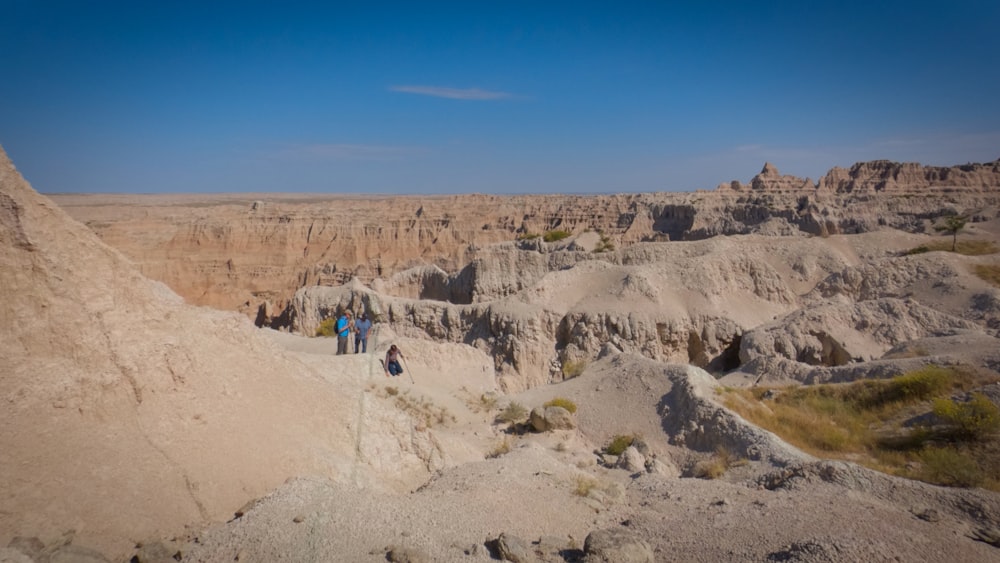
point(616, 545)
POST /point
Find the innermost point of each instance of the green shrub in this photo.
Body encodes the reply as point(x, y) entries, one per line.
point(515, 412)
point(918, 385)
point(945, 466)
point(562, 402)
point(555, 235)
point(327, 328)
point(619, 444)
point(972, 420)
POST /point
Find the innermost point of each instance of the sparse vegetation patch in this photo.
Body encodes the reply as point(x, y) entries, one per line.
point(965, 247)
point(909, 425)
point(606, 244)
point(514, 412)
point(989, 273)
point(421, 409)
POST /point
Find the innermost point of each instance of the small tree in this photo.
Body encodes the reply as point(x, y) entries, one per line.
point(952, 224)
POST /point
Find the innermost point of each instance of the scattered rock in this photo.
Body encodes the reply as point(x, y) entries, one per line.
point(616, 545)
point(663, 468)
point(987, 535)
point(631, 460)
point(544, 419)
point(406, 555)
point(32, 547)
point(157, 552)
point(511, 548)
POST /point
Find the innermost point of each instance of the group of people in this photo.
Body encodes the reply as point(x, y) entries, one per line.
point(346, 325)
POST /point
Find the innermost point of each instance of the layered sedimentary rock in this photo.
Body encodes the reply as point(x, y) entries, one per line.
point(253, 252)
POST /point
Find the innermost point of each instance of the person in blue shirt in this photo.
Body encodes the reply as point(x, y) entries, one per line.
point(361, 328)
point(344, 327)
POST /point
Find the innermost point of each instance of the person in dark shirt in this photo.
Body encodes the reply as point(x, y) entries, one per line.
point(361, 328)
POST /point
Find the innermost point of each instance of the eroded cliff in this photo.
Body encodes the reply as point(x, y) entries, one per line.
point(252, 252)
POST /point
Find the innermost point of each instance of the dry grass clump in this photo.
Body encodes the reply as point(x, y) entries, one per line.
point(562, 402)
point(584, 485)
point(500, 449)
point(571, 369)
point(717, 465)
point(514, 412)
point(989, 273)
point(908, 425)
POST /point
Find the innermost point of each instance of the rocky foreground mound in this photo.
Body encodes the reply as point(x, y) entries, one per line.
point(129, 414)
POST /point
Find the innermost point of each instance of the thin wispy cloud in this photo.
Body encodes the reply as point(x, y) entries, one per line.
point(452, 93)
point(345, 151)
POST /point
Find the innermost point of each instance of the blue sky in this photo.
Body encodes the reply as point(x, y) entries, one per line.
point(496, 97)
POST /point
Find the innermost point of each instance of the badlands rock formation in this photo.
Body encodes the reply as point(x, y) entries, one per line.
point(253, 252)
point(136, 425)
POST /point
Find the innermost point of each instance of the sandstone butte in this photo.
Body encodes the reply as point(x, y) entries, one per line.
point(251, 252)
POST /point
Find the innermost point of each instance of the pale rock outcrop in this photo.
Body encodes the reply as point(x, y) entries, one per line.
point(516, 335)
point(838, 334)
point(545, 419)
point(631, 460)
